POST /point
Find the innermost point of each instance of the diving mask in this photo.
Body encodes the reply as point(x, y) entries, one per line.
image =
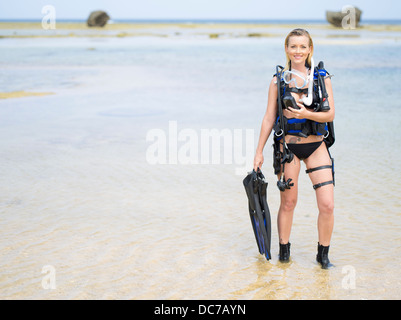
point(300, 81)
point(296, 78)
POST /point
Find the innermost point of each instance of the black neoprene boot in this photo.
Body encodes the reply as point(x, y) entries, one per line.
point(284, 255)
point(323, 256)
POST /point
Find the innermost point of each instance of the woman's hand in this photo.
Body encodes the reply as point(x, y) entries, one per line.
point(301, 113)
point(258, 161)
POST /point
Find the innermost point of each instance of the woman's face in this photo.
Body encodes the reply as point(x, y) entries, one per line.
point(298, 49)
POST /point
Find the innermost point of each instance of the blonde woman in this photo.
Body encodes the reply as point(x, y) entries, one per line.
point(301, 115)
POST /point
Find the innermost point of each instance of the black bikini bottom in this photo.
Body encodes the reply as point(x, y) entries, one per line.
point(303, 150)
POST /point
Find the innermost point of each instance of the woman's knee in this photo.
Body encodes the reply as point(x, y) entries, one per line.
point(288, 204)
point(326, 206)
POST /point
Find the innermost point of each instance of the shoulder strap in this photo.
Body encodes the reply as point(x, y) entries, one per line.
point(295, 90)
point(320, 70)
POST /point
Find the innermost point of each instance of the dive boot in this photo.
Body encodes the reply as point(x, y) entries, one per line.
point(323, 256)
point(284, 255)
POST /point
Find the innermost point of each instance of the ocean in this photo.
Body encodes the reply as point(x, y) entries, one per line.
point(124, 179)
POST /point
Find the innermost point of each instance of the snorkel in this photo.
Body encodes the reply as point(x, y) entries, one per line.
point(307, 100)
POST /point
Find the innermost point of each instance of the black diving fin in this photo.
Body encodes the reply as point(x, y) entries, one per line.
point(255, 187)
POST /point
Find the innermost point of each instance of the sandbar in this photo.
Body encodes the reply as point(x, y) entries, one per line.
point(21, 94)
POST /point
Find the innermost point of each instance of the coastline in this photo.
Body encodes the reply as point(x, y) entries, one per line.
point(11, 29)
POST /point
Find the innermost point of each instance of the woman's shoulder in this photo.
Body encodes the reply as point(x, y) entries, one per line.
point(273, 81)
point(274, 78)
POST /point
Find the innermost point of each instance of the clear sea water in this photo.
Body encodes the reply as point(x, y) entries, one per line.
point(78, 193)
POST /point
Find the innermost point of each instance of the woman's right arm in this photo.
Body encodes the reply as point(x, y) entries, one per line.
point(267, 124)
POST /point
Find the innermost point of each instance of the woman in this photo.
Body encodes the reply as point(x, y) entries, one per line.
point(302, 144)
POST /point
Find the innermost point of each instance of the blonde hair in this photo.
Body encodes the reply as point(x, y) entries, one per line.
point(298, 32)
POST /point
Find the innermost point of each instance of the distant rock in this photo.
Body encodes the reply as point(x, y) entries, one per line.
point(97, 19)
point(336, 17)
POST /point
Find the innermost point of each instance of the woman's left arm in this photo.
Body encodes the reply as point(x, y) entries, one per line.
point(326, 116)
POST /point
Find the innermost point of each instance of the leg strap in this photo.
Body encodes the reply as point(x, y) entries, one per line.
point(318, 168)
point(322, 184)
point(316, 186)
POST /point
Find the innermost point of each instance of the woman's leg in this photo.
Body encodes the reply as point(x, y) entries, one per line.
point(288, 201)
point(324, 193)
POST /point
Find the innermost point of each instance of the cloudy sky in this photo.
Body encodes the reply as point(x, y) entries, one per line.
point(197, 9)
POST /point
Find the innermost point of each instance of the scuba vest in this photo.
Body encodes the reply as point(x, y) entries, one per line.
point(306, 127)
point(299, 127)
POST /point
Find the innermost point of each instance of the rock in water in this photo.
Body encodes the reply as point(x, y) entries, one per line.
point(336, 17)
point(97, 19)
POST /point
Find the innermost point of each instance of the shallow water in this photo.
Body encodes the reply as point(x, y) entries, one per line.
point(78, 193)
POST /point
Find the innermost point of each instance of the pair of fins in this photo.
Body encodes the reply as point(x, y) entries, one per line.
point(256, 187)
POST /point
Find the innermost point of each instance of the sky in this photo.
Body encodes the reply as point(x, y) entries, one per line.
point(198, 9)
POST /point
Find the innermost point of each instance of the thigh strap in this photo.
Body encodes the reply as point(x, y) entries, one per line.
point(329, 166)
point(322, 184)
point(318, 185)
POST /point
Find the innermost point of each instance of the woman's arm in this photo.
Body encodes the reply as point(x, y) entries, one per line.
point(267, 124)
point(327, 116)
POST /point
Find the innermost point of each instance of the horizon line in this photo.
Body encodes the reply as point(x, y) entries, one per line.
point(189, 20)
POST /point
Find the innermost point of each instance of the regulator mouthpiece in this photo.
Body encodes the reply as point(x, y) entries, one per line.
point(283, 184)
